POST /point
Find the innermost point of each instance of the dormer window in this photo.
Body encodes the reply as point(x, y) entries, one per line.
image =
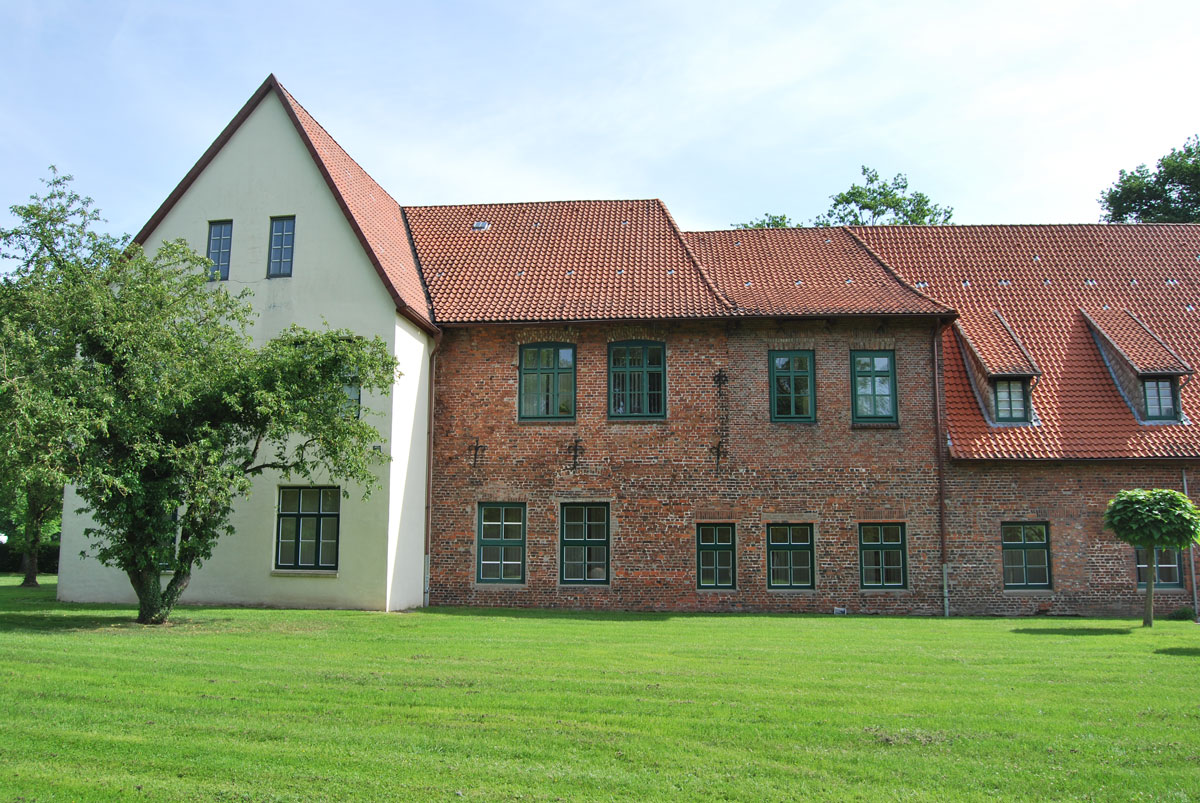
point(1012, 400)
point(1162, 399)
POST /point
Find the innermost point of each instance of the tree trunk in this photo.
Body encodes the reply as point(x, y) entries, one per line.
point(35, 517)
point(29, 566)
point(155, 603)
point(1151, 574)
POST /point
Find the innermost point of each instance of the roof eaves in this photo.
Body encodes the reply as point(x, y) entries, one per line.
point(1187, 368)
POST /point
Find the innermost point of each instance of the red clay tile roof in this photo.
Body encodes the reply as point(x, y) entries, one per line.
point(804, 272)
point(559, 261)
point(999, 349)
point(372, 214)
point(1039, 278)
point(1145, 351)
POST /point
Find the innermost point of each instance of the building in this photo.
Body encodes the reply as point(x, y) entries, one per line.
point(625, 415)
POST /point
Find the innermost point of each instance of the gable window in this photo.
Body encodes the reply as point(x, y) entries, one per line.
point(1026, 560)
point(874, 383)
point(283, 237)
point(881, 553)
point(715, 564)
point(584, 557)
point(501, 543)
point(1161, 399)
point(547, 382)
point(789, 556)
point(792, 397)
point(306, 529)
point(1012, 399)
point(1169, 563)
point(220, 243)
point(637, 382)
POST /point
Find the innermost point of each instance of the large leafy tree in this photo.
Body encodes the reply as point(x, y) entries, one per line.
point(1150, 520)
point(185, 409)
point(1168, 194)
point(876, 202)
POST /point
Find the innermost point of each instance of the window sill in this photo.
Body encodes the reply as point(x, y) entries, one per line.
point(537, 422)
point(717, 590)
point(1029, 592)
point(791, 590)
point(873, 591)
point(644, 420)
point(875, 425)
point(787, 422)
point(478, 586)
point(304, 573)
point(586, 586)
point(1164, 590)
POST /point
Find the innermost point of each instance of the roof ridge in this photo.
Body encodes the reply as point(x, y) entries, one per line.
point(536, 203)
point(721, 297)
point(893, 273)
point(921, 226)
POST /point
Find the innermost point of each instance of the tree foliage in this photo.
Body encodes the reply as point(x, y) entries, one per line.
point(874, 203)
point(1168, 194)
point(1150, 520)
point(182, 410)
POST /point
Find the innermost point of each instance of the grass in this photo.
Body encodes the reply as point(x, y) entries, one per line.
point(450, 704)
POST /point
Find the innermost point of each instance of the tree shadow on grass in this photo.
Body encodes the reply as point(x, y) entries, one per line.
point(62, 621)
point(1186, 652)
point(1073, 631)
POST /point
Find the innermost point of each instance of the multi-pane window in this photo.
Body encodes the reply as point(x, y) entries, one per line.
point(353, 403)
point(1160, 399)
point(501, 543)
point(874, 382)
point(790, 556)
point(1012, 400)
point(220, 243)
point(547, 380)
point(1026, 555)
point(1169, 563)
point(715, 563)
point(283, 237)
point(881, 550)
point(584, 556)
point(637, 383)
point(792, 396)
point(306, 530)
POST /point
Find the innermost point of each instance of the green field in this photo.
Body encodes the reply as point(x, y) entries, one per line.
point(447, 704)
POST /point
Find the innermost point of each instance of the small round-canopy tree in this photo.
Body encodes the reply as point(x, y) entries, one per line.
point(1152, 520)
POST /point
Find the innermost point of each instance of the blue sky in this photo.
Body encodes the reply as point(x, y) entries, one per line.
point(1009, 112)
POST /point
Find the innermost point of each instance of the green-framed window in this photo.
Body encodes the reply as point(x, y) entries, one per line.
point(220, 245)
point(1162, 399)
point(1026, 554)
point(547, 381)
point(716, 562)
point(1170, 567)
point(792, 389)
point(307, 528)
point(353, 403)
point(1012, 399)
point(282, 242)
point(637, 379)
point(874, 385)
point(882, 557)
point(584, 551)
point(790, 556)
point(501, 543)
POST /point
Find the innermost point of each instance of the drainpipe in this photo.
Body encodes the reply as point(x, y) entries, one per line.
point(935, 351)
point(1191, 559)
point(432, 398)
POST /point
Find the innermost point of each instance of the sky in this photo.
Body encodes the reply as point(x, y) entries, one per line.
point(1008, 112)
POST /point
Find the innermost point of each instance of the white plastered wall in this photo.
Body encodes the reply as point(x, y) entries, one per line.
point(265, 170)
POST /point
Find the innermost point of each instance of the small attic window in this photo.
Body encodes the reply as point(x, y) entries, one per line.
point(1012, 400)
point(1162, 398)
point(480, 225)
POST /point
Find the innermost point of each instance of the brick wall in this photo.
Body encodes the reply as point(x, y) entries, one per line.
point(662, 477)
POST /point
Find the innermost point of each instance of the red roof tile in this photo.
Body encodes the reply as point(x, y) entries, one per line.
point(1000, 350)
point(1145, 351)
point(804, 272)
point(1039, 278)
point(559, 261)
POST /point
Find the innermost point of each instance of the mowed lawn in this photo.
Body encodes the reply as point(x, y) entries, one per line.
point(450, 704)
